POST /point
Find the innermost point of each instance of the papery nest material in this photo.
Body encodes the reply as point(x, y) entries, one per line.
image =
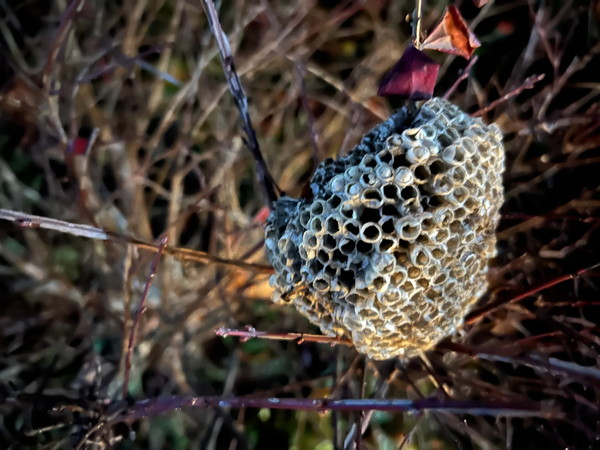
point(392, 249)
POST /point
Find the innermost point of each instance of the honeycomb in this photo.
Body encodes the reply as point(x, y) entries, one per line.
point(392, 249)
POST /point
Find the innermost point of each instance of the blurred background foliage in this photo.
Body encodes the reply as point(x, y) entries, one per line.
point(116, 114)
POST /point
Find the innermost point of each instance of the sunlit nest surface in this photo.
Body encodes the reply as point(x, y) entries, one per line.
point(392, 249)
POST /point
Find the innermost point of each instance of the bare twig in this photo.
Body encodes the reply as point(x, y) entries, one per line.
point(493, 306)
point(339, 86)
point(59, 39)
point(316, 152)
point(559, 82)
point(241, 101)
point(358, 429)
point(551, 365)
point(157, 406)
point(550, 217)
point(32, 221)
point(529, 83)
point(251, 333)
point(138, 314)
point(464, 73)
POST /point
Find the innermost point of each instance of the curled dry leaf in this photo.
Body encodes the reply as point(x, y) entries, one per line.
point(480, 3)
point(452, 35)
point(412, 77)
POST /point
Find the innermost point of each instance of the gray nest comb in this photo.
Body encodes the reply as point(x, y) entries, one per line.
point(392, 249)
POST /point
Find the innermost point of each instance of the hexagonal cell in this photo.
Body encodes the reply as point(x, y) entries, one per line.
point(398, 232)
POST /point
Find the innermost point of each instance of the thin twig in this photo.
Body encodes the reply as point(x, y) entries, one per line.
point(551, 365)
point(251, 333)
point(241, 101)
point(59, 40)
point(529, 83)
point(25, 220)
point(550, 217)
point(464, 73)
point(138, 314)
point(493, 306)
point(161, 405)
point(316, 152)
point(359, 428)
point(31, 221)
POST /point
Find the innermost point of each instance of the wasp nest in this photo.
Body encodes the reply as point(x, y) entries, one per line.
point(392, 249)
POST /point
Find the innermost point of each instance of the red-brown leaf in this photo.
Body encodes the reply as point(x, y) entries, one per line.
point(452, 35)
point(412, 77)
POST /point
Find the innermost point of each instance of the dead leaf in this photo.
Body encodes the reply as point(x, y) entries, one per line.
point(412, 77)
point(452, 35)
point(480, 3)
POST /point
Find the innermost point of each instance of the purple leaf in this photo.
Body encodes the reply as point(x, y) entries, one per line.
point(412, 77)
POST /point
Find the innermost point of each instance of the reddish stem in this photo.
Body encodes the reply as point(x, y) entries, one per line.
point(139, 312)
point(251, 333)
point(529, 83)
point(495, 305)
